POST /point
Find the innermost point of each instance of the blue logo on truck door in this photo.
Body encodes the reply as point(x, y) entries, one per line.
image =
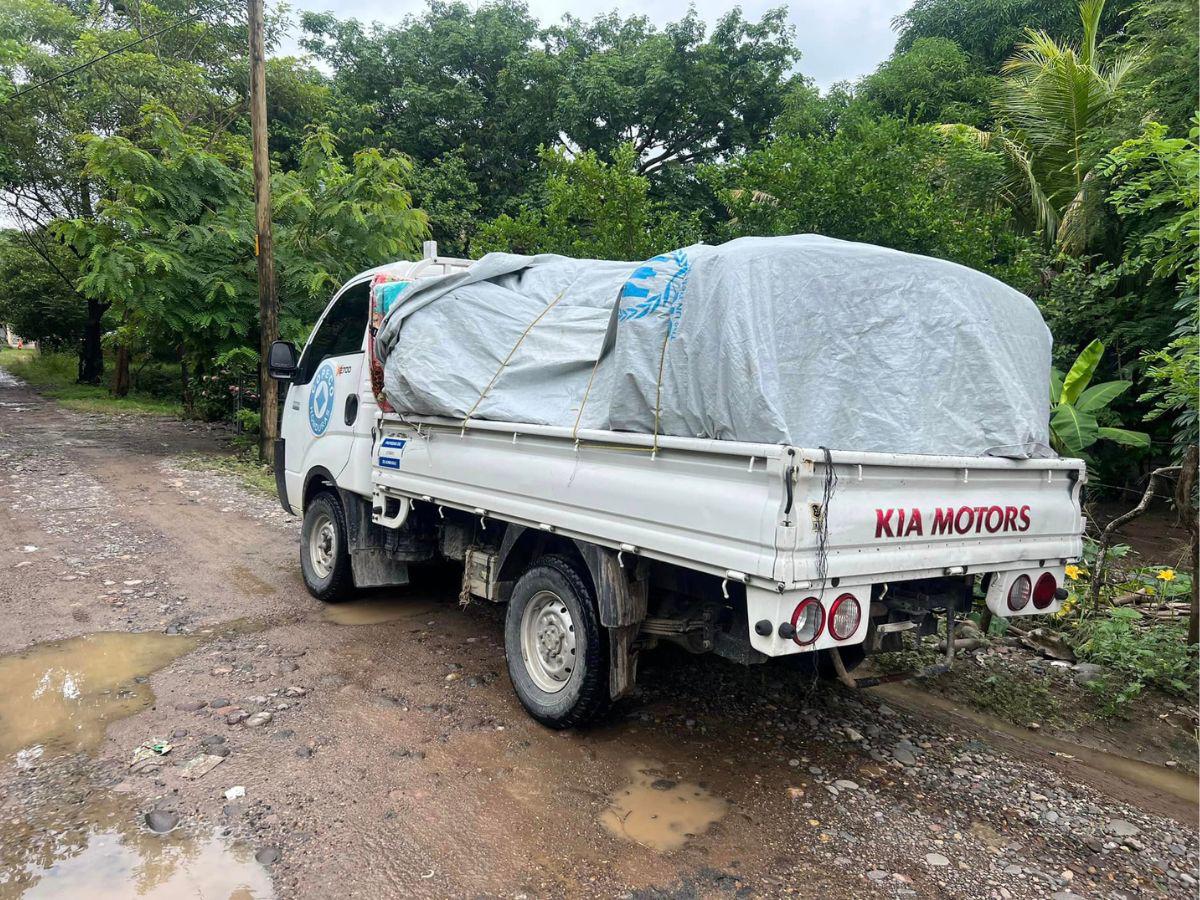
point(320, 400)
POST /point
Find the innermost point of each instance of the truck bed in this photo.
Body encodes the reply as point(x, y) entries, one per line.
point(751, 513)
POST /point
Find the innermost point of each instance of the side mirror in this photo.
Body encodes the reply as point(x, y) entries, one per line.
point(281, 362)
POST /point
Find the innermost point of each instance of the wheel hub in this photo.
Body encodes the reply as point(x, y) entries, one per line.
point(322, 546)
point(548, 641)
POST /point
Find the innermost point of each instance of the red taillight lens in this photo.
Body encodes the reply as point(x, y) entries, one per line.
point(844, 617)
point(1018, 594)
point(1043, 591)
point(808, 620)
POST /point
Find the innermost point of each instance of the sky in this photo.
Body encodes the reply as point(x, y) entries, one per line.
point(838, 39)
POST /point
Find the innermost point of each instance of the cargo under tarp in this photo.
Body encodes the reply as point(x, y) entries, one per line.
point(801, 340)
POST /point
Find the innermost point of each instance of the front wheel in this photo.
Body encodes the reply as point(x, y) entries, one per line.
point(556, 648)
point(324, 554)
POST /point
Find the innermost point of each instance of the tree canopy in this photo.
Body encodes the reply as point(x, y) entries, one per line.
point(1051, 143)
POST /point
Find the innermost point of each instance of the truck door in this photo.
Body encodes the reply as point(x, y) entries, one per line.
point(323, 415)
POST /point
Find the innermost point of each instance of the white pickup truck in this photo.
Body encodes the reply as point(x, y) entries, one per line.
point(603, 543)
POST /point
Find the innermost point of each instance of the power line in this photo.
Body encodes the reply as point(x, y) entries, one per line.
point(103, 56)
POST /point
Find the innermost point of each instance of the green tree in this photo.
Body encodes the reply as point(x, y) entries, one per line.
point(1054, 100)
point(196, 67)
point(989, 30)
point(590, 208)
point(37, 295)
point(677, 95)
point(934, 80)
point(881, 181)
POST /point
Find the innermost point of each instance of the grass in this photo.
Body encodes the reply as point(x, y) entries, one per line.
point(245, 467)
point(53, 374)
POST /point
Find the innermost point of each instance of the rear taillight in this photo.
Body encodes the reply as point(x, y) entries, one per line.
point(844, 617)
point(1043, 591)
point(808, 619)
point(1018, 593)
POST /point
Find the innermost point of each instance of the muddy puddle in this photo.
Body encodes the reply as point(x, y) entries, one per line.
point(1176, 792)
point(378, 611)
point(658, 812)
point(59, 697)
point(95, 846)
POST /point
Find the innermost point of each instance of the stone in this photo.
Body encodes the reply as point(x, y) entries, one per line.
point(844, 784)
point(236, 718)
point(236, 792)
point(877, 874)
point(267, 856)
point(1121, 828)
point(160, 821)
point(936, 860)
point(903, 755)
point(189, 705)
point(259, 719)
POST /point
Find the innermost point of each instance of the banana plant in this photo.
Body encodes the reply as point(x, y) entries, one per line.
point(1076, 407)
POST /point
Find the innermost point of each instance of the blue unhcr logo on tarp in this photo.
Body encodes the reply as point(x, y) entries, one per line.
point(320, 400)
point(657, 287)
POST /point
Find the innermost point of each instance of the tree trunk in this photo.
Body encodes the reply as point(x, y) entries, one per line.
point(121, 380)
point(91, 353)
point(268, 303)
point(185, 385)
point(1185, 504)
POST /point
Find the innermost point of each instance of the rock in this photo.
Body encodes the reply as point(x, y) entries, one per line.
point(236, 792)
point(844, 784)
point(1013, 869)
point(1049, 644)
point(190, 705)
point(1085, 672)
point(160, 821)
point(960, 773)
point(259, 719)
point(294, 691)
point(936, 859)
point(304, 752)
point(853, 735)
point(454, 676)
point(212, 740)
point(236, 718)
point(903, 755)
point(1121, 828)
point(663, 784)
point(877, 874)
point(267, 856)
point(794, 763)
point(1134, 844)
point(220, 703)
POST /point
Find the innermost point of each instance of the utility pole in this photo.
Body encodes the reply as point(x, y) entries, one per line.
point(268, 302)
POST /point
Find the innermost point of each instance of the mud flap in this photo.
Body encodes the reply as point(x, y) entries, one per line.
point(374, 567)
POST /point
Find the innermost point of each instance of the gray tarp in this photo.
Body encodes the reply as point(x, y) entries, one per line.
point(801, 340)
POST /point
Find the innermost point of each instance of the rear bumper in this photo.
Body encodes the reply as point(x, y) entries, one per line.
point(280, 479)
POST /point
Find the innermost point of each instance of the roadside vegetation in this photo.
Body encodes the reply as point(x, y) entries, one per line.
point(1052, 145)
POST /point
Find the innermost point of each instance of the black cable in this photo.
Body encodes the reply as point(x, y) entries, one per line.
point(106, 55)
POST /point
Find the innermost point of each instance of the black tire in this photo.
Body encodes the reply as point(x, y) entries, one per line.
point(331, 580)
point(584, 696)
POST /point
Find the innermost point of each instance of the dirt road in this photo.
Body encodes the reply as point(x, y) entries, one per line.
point(376, 750)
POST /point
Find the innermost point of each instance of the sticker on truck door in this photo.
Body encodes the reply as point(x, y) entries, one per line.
point(320, 400)
point(391, 450)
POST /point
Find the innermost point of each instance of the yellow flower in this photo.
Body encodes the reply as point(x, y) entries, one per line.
point(1166, 575)
point(1073, 572)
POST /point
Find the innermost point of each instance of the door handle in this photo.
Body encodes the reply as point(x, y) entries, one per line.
point(351, 409)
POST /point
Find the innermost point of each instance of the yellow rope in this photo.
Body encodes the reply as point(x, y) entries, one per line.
point(524, 334)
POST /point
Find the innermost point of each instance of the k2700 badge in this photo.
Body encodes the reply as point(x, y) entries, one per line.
point(899, 523)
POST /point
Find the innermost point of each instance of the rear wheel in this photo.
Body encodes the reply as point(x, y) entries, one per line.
point(557, 650)
point(324, 554)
